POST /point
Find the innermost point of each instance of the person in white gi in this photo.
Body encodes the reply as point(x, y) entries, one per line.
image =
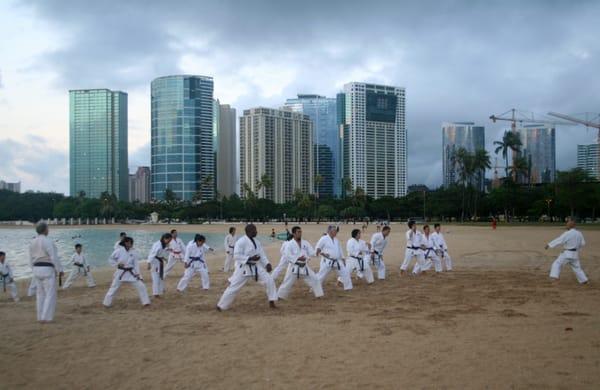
point(195, 263)
point(296, 253)
point(330, 250)
point(414, 247)
point(156, 264)
point(80, 268)
point(572, 241)
point(283, 262)
point(378, 243)
point(127, 261)
point(441, 247)
point(7, 278)
point(176, 251)
point(251, 262)
point(46, 264)
point(122, 236)
point(358, 258)
point(229, 244)
point(429, 253)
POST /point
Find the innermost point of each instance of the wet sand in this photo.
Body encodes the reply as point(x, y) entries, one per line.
point(496, 321)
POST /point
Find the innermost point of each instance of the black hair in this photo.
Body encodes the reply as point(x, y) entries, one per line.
point(173, 231)
point(2, 254)
point(199, 237)
point(411, 223)
point(425, 227)
point(437, 225)
point(386, 228)
point(122, 234)
point(126, 239)
point(295, 229)
point(166, 236)
point(231, 230)
point(355, 233)
point(78, 246)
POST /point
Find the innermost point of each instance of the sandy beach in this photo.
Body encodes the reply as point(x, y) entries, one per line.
point(495, 322)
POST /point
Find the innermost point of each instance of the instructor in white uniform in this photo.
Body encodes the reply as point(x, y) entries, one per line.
point(332, 256)
point(572, 241)
point(379, 241)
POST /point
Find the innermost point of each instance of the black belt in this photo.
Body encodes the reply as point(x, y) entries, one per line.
point(572, 250)
point(231, 246)
point(300, 265)
point(81, 267)
point(43, 264)
point(253, 271)
point(196, 259)
point(376, 260)
point(161, 268)
point(414, 247)
point(427, 253)
point(127, 269)
point(361, 262)
point(333, 262)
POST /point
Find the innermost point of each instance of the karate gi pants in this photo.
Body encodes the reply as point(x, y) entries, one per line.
point(431, 258)
point(229, 264)
point(353, 264)
point(575, 266)
point(75, 274)
point(447, 260)
point(116, 284)
point(283, 265)
point(171, 263)
point(158, 284)
point(342, 273)
point(32, 287)
point(380, 266)
point(291, 276)
point(45, 282)
point(421, 264)
point(189, 274)
point(11, 288)
point(238, 280)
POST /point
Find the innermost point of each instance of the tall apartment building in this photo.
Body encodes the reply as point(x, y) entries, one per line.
point(539, 148)
point(373, 131)
point(14, 187)
point(98, 143)
point(139, 185)
point(277, 145)
point(588, 159)
point(183, 156)
point(225, 148)
point(323, 112)
point(456, 135)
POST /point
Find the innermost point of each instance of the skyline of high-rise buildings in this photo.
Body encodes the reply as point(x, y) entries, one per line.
point(14, 187)
point(226, 149)
point(538, 147)
point(139, 185)
point(588, 159)
point(457, 135)
point(98, 155)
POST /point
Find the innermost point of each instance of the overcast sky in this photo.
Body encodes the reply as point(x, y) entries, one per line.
point(459, 61)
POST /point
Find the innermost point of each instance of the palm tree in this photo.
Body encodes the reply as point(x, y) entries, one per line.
point(520, 169)
point(318, 181)
point(462, 160)
point(346, 186)
point(264, 182)
point(510, 141)
point(481, 162)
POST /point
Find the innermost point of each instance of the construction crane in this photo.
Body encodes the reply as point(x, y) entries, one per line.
point(523, 117)
point(578, 121)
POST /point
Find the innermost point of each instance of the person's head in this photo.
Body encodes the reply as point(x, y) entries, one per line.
point(42, 228)
point(386, 231)
point(232, 230)
point(251, 230)
point(297, 233)
point(355, 234)
point(273, 230)
point(199, 239)
point(127, 242)
point(412, 225)
point(426, 229)
point(78, 248)
point(570, 223)
point(332, 231)
point(174, 233)
point(2, 256)
point(165, 239)
point(122, 235)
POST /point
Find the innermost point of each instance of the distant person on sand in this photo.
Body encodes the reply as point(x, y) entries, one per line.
point(7, 278)
point(251, 264)
point(494, 223)
point(572, 241)
point(441, 247)
point(229, 244)
point(273, 235)
point(378, 243)
point(80, 268)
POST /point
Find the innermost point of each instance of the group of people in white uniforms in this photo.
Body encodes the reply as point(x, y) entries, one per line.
point(427, 249)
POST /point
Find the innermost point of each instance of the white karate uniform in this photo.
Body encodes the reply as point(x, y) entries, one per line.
point(442, 249)
point(572, 241)
point(358, 259)
point(176, 253)
point(413, 249)
point(31, 291)
point(245, 271)
point(292, 250)
point(129, 260)
point(378, 244)
point(195, 263)
point(283, 263)
point(7, 281)
point(332, 248)
point(43, 250)
point(79, 268)
point(117, 245)
point(429, 255)
point(229, 244)
point(157, 251)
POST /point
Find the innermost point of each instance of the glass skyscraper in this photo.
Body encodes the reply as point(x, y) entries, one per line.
point(588, 159)
point(457, 135)
point(183, 158)
point(539, 148)
point(323, 112)
point(98, 143)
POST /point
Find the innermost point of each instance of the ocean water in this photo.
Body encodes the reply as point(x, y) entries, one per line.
point(97, 244)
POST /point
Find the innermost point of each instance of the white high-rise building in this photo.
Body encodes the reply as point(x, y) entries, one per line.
point(588, 159)
point(225, 148)
point(276, 145)
point(373, 131)
point(539, 148)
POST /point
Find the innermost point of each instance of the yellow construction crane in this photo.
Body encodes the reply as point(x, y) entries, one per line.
point(578, 121)
point(513, 115)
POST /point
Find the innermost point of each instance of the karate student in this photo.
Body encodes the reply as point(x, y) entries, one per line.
point(251, 263)
point(122, 236)
point(441, 247)
point(358, 258)
point(195, 263)
point(229, 244)
point(176, 251)
point(413, 249)
point(80, 268)
point(378, 243)
point(572, 241)
point(45, 264)
point(156, 264)
point(429, 253)
point(297, 252)
point(332, 256)
point(127, 263)
point(7, 278)
point(283, 261)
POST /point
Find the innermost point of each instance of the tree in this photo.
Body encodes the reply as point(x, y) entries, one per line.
point(520, 170)
point(510, 141)
point(266, 183)
point(318, 181)
point(346, 186)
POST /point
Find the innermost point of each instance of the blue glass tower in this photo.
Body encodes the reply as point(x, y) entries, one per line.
point(182, 137)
